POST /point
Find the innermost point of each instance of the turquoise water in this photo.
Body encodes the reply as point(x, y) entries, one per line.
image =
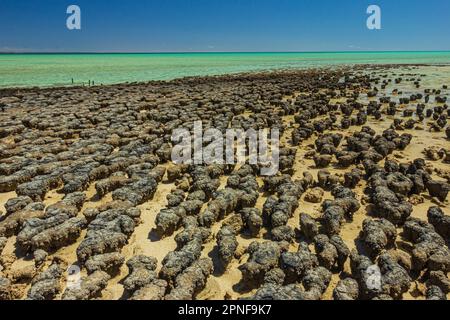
point(60, 69)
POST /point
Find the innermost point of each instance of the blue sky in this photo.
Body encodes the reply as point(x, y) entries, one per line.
point(223, 25)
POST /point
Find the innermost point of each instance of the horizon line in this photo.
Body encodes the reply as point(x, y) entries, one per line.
point(206, 52)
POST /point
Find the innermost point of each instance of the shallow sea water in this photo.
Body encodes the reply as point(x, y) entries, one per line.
point(24, 70)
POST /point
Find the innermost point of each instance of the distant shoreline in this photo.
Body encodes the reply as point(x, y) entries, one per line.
point(225, 52)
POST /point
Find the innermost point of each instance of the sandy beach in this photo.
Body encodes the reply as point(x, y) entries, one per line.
point(86, 180)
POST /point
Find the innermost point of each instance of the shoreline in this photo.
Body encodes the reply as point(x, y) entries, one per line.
point(236, 52)
point(218, 77)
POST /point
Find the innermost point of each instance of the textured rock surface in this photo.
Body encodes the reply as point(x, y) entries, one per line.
point(92, 206)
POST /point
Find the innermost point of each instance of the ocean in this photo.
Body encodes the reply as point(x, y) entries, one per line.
point(44, 70)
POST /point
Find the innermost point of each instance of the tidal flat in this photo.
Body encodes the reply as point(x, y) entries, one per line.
point(359, 209)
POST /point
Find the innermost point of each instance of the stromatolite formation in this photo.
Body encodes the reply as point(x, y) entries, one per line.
point(354, 211)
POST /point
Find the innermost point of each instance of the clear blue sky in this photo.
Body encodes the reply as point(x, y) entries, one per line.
point(223, 25)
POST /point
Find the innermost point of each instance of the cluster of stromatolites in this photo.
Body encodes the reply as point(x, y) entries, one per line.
point(81, 167)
